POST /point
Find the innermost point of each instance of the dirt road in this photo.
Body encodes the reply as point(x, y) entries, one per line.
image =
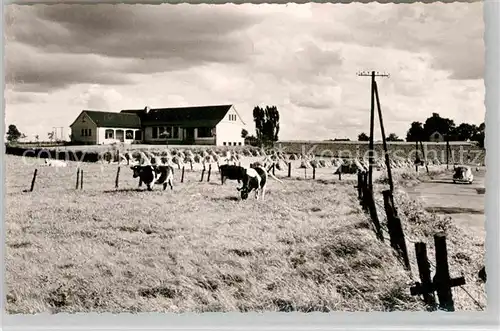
point(464, 203)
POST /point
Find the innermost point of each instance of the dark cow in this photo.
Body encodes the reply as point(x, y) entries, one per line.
point(233, 172)
point(154, 174)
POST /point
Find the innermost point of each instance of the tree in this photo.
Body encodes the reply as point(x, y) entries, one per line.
point(13, 134)
point(479, 136)
point(252, 141)
point(464, 132)
point(51, 136)
point(244, 133)
point(416, 132)
point(266, 124)
point(393, 137)
point(363, 137)
point(445, 126)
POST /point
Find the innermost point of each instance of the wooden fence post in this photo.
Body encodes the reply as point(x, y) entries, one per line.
point(314, 172)
point(442, 281)
point(209, 171)
point(191, 164)
point(202, 174)
point(289, 169)
point(360, 185)
point(370, 204)
point(117, 177)
point(77, 178)
point(81, 179)
point(425, 288)
point(340, 172)
point(33, 180)
point(182, 175)
point(305, 172)
point(396, 234)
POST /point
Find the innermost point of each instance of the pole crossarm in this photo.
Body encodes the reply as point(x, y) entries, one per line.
point(373, 74)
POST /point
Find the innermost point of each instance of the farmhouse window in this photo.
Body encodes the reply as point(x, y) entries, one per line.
point(138, 135)
point(175, 132)
point(129, 134)
point(90, 132)
point(109, 134)
point(83, 133)
point(161, 131)
point(155, 132)
point(239, 144)
point(224, 143)
point(205, 132)
point(168, 132)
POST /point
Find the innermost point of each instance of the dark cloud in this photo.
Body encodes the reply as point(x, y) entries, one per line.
point(103, 43)
point(25, 68)
point(193, 33)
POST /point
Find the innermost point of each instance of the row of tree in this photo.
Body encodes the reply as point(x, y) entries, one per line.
point(13, 134)
point(423, 131)
point(464, 132)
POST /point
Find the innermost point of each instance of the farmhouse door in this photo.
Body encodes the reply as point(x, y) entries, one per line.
point(189, 135)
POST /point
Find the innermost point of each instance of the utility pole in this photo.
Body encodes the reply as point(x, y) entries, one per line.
point(374, 93)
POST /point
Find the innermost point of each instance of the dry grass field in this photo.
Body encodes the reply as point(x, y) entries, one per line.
point(308, 247)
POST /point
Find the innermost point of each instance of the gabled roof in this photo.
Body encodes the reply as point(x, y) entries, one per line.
point(104, 119)
point(187, 116)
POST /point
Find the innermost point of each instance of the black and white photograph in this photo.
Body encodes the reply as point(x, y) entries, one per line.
point(244, 158)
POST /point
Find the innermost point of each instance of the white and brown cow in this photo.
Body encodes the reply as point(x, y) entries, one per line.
point(256, 178)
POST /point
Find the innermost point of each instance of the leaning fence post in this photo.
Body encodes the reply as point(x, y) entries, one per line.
point(182, 176)
point(305, 172)
point(374, 216)
point(77, 178)
point(117, 177)
point(425, 288)
point(191, 164)
point(340, 172)
point(209, 171)
point(396, 234)
point(360, 185)
point(33, 180)
point(289, 169)
point(314, 172)
point(442, 281)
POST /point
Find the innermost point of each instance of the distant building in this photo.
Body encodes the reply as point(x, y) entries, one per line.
point(436, 137)
point(204, 125)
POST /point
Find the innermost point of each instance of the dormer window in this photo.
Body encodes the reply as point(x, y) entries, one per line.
point(232, 117)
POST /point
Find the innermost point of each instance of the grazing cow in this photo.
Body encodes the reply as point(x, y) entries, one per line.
point(154, 174)
point(256, 178)
point(165, 175)
point(55, 163)
point(232, 172)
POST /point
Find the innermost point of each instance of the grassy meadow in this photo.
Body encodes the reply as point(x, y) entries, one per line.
point(198, 248)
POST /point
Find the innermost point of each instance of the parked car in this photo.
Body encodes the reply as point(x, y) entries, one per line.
point(463, 174)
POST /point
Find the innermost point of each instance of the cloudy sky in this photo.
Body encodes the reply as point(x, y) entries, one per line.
point(303, 58)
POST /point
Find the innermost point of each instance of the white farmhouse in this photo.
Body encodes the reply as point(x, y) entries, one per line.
point(219, 125)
